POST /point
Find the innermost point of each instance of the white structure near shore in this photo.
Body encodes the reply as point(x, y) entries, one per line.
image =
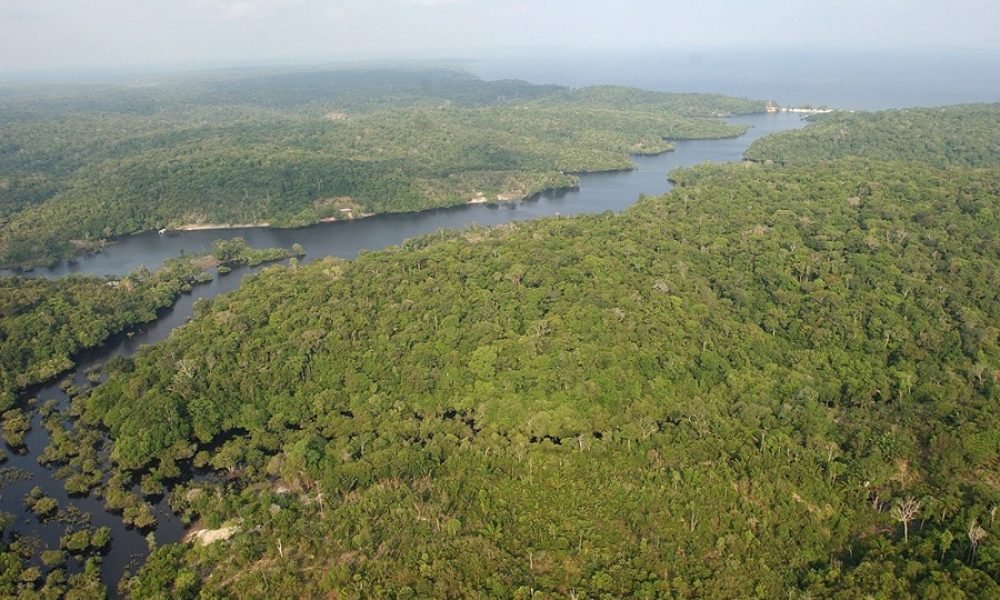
point(773, 107)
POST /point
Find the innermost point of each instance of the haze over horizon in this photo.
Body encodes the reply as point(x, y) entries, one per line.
point(66, 35)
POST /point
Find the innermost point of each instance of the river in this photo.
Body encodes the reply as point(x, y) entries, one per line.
point(597, 192)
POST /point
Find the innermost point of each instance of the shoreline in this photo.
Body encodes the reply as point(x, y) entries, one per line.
point(211, 226)
point(334, 220)
point(191, 227)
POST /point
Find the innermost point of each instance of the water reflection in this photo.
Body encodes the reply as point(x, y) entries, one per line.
point(597, 193)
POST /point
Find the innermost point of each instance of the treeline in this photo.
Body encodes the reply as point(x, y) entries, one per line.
point(946, 136)
point(84, 165)
point(71, 571)
point(773, 381)
point(44, 323)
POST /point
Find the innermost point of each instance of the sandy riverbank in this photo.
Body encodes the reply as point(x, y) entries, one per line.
point(207, 226)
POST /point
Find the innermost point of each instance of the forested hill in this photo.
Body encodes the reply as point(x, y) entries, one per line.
point(78, 165)
point(44, 323)
point(967, 135)
point(774, 381)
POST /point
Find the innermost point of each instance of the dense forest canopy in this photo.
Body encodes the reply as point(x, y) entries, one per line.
point(775, 380)
point(966, 135)
point(84, 164)
point(780, 379)
point(44, 323)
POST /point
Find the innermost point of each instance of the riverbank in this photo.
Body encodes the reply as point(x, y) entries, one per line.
point(46, 459)
point(214, 226)
point(595, 193)
point(344, 238)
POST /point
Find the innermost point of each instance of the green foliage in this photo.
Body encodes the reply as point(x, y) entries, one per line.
point(78, 167)
point(83, 541)
point(23, 575)
point(76, 542)
point(43, 506)
point(719, 393)
point(778, 380)
point(236, 251)
point(45, 322)
point(15, 426)
point(100, 538)
point(948, 136)
point(51, 558)
point(165, 576)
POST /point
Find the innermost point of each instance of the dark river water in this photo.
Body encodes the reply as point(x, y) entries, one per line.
point(597, 193)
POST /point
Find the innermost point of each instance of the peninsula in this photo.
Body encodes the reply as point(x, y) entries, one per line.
point(83, 165)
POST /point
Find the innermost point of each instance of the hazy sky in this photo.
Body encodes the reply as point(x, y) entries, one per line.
point(44, 34)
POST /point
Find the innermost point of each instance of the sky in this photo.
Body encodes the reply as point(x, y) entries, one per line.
point(67, 34)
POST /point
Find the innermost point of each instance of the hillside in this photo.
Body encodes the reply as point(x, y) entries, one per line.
point(79, 165)
point(729, 391)
point(777, 380)
point(967, 135)
point(44, 323)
